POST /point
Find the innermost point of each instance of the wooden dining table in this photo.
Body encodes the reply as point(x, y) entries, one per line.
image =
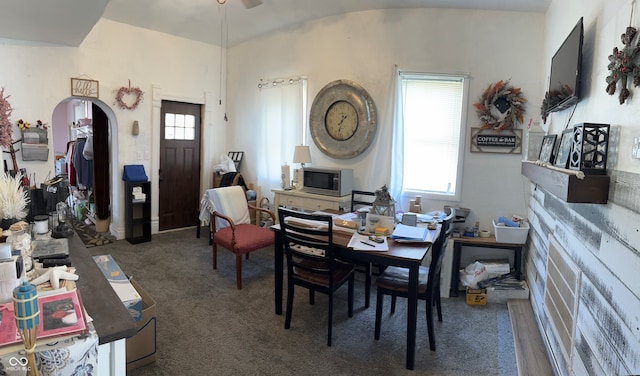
point(407, 255)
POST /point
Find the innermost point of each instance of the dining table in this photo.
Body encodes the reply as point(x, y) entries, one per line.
point(402, 254)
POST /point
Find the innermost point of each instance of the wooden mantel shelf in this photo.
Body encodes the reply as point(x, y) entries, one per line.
point(593, 189)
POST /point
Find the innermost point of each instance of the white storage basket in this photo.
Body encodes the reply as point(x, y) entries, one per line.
point(511, 235)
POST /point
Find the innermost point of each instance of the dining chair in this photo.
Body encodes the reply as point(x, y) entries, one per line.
point(394, 281)
point(361, 198)
point(231, 226)
point(308, 245)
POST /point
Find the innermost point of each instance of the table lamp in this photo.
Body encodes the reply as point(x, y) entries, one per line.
point(301, 155)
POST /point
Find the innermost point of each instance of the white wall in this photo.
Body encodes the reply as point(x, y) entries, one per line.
point(363, 47)
point(37, 77)
point(602, 240)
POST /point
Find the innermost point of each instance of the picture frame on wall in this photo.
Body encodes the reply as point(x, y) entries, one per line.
point(546, 150)
point(564, 148)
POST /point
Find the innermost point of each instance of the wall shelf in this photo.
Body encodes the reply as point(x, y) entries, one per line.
point(593, 189)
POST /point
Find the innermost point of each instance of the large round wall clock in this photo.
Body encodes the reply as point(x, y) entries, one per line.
point(343, 119)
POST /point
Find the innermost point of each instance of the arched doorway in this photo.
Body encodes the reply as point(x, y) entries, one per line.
point(68, 113)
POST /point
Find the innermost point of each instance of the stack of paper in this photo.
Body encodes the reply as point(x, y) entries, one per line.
point(411, 233)
point(361, 242)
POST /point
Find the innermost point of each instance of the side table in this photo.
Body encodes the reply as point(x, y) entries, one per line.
point(489, 242)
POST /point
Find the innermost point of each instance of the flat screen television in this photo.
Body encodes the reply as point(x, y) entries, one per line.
point(566, 71)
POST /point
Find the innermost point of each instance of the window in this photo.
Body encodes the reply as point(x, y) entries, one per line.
point(179, 127)
point(283, 123)
point(430, 135)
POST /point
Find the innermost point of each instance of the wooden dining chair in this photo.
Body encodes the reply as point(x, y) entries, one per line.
point(361, 198)
point(394, 281)
point(308, 245)
point(231, 226)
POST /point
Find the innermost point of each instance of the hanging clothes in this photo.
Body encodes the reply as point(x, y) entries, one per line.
point(71, 170)
point(83, 166)
point(87, 152)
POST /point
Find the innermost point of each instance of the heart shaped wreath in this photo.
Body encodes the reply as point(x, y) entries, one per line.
point(129, 91)
point(501, 106)
point(623, 66)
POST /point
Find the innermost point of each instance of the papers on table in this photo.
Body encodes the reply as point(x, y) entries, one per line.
point(360, 242)
point(404, 233)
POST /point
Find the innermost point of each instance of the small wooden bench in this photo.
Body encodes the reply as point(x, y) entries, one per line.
point(531, 353)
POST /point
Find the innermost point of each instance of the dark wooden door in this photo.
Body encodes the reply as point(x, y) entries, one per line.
point(179, 174)
point(101, 162)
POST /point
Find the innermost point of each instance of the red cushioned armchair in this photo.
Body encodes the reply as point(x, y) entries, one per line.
point(231, 225)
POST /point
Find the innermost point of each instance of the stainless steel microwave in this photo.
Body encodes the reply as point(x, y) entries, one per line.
point(327, 181)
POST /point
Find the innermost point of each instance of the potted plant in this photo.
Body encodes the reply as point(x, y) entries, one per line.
point(14, 200)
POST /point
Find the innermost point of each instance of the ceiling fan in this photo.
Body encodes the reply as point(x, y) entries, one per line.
point(247, 3)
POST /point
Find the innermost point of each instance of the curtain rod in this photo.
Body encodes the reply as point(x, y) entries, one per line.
point(279, 82)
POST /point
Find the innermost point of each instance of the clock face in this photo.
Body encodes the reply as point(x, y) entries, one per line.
point(341, 120)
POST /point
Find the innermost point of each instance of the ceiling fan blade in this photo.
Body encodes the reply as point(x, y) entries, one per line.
point(251, 3)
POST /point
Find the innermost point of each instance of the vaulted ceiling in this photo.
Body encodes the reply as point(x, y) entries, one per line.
point(68, 22)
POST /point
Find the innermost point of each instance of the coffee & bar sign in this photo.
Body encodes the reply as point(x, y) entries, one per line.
point(81, 87)
point(508, 141)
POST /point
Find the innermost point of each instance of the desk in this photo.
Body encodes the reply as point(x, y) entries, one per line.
point(404, 255)
point(489, 242)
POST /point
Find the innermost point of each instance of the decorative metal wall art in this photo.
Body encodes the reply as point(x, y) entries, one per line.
point(590, 144)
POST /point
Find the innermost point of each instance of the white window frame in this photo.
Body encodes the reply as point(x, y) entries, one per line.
point(407, 194)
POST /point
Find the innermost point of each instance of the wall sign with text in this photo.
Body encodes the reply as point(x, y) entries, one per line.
point(84, 88)
point(508, 141)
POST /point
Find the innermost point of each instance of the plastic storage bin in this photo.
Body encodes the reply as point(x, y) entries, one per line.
point(511, 235)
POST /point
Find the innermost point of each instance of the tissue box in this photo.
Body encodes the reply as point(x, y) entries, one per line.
point(121, 285)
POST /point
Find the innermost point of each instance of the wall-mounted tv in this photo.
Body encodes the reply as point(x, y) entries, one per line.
point(566, 71)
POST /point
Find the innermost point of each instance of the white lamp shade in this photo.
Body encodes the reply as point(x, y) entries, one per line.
point(302, 154)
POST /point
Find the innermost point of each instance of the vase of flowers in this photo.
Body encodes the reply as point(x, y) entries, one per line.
point(14, 200)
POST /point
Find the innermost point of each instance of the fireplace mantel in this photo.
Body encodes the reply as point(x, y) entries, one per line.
point(593, 189)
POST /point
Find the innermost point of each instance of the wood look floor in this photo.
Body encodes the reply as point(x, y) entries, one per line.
point(531, 353)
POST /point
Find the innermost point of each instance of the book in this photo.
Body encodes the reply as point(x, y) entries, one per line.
point(61, 315)
point(410, 233)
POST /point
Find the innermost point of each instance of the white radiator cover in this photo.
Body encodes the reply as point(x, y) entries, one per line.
point(561, 296)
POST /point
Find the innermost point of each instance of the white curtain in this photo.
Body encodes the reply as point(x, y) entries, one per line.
point(281, 128)
point(396, 113)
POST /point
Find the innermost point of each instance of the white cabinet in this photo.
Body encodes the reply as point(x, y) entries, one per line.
point(297, 199)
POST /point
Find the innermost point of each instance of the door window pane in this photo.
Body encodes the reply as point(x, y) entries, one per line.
point(179, 127)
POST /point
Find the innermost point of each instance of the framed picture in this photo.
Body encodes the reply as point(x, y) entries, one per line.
point(546, 150)
point(564, 148)
point(85, 88)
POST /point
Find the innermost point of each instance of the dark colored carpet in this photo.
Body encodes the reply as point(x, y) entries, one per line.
point(205, 326)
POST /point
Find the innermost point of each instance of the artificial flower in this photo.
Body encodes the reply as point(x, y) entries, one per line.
point(5, 122)
point(23, 124)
